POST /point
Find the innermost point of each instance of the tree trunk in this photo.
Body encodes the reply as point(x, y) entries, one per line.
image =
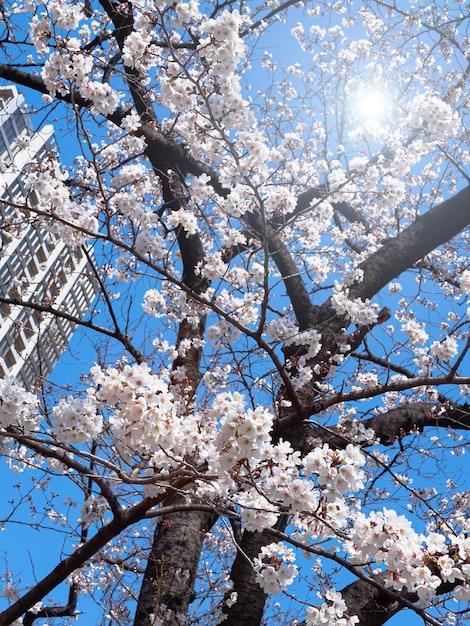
point(168, 585)
point(371, 605)
point(249, 606)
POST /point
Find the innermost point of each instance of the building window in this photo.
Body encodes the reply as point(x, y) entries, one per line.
point(41, 254)
point(10, 132)
point(19, 121)
point(19, 344)
point(33, 268)
point(9, 358)
point(14, 190)
point(3, 146)
point(5, 309)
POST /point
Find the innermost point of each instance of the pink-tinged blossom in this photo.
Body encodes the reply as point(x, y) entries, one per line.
point(214, 267)
point(282, 329)
point(243, 433)
point(385, 537)
point(131, 122)
point(103, 97)
point(40, 32)
point(311, 339)
point(10, 592)
point(447, 570)
point(135, 49)
point(61, 69)
point(150, 243)
point(67, 15)
point(144, 416)
point(393, 193)
point(154, 303)
point(256, 512)
point(339, 471)
point(275, 569)
point(424, 583)
point(436, 543)
point(366, 380)
point(188, 12)
point(461, 543)
point(184, 218)
point(93, 510)
point(394, 287)
point(76, 420)
point(49, 183)
point(462, 593)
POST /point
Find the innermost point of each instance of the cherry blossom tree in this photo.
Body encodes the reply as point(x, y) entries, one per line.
point(277, 199)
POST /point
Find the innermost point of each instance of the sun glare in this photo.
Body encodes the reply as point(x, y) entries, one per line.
point(371, 103)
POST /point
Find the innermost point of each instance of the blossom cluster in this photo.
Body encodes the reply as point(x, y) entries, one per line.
point(415, 561)
point(18, 408)
point(358, 311)
point(274, 567)
point(428, 109)
point(243, 433)
point(337, 471)
point(465, 282)
point(93, 510)
point(445, 350)
point(48, 181)
point(144, 410)
point(415, 331)
point(144, 420)
point(76, 420)
point(331, 613)
point(69, 66)
point(243, 453)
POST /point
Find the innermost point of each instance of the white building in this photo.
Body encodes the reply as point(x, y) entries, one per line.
point(37, 266)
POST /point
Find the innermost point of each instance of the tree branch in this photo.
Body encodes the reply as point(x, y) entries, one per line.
point(67, 610)
point(428, 232)
point(77, 559)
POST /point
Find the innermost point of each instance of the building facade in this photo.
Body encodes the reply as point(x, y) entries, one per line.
point(35, 265)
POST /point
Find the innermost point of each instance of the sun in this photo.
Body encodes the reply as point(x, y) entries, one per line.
point(370, 103)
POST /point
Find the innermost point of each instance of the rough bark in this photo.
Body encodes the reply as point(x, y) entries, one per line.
point(373, 606)
point(168, 583)
point(390, 425)
point(403, 420)
point(249, 607)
